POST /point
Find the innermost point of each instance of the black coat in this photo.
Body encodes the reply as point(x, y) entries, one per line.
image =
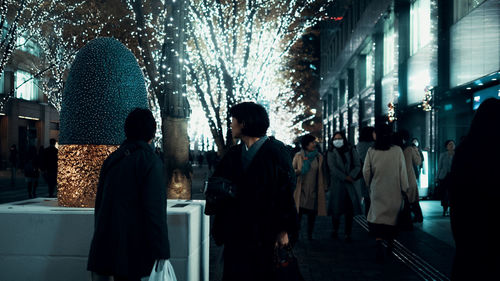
point(264, 207)
point(130, 213)
point(474, 199)
point(50, 164)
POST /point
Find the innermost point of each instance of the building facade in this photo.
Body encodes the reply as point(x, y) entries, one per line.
point(424, 64)
point(26, 119)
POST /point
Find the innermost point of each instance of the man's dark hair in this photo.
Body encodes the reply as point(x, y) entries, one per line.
point(140, 125)
point(447, 142)
point(306, 140)
point(405, 135)
point(397, 139)
point(384, 133)
point(52, 142)
point(253, 117)
point(366, 134)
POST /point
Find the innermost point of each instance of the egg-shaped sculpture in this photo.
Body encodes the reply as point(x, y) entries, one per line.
point(104, 85)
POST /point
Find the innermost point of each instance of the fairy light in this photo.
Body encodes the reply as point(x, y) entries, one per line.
point(391, 115)
point(242, 52)
point(426, 102)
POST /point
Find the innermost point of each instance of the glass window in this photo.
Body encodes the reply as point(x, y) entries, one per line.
point(2, 84)
point(369, 69)
point(26, 86)
point(462, 8)
point(389, 50)
point(420, 25)
point(27, 46)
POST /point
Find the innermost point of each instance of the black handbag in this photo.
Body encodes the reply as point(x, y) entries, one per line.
point(218, 192)
point(286, 265)
point(404, 221)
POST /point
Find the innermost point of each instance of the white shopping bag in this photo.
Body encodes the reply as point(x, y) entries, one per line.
point(162, 273)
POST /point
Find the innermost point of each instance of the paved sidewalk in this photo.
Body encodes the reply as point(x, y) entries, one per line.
point(325, 259)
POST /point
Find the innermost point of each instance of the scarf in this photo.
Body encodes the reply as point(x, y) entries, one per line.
point(309, 157)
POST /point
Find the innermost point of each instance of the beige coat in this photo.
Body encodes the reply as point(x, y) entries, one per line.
point(412, 157)
point(385, 174)
point(298, 159)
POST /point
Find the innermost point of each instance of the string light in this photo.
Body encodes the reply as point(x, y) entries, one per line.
point(391, 115)
point(426, 102)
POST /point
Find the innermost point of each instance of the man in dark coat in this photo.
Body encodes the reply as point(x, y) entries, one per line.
point(263, 212)
point(130, 209)
point(50, 166)
point(474, 197)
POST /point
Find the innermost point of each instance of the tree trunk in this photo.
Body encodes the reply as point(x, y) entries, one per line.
point(175, 107)
point(176, 147)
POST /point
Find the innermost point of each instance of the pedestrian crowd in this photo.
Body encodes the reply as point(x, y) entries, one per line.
point(260, 191)
point(35, 164)
point(378, 178)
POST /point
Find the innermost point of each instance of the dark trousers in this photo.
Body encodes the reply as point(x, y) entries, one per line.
point(311, 219)
point(32, 185)
point(51, 179)
point(349, 217)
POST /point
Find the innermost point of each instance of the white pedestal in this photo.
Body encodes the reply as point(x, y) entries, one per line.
point(41, 241)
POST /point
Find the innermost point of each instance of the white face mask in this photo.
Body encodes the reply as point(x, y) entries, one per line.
point(415, 143)
point(338, 143)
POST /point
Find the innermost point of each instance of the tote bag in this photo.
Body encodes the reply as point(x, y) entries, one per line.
point(165, 273)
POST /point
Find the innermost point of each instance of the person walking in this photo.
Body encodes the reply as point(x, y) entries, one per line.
point(345, 169)
point(474, 197)
point(417, 168)
point(32, 171)
point(13, 157)
point(262, 215)
point(444, 167)
point(211, 159)
point(412, 159)
point(365, 142)
point(130, 219)
point(50, 166)
point(309, 193)
point(385, 173)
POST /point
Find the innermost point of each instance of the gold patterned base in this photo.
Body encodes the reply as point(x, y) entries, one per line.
point(79, 166)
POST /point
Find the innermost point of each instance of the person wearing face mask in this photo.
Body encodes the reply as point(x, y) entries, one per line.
point(345, 169)
point(311, 183)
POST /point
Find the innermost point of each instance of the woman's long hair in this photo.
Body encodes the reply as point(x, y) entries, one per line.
point(383, 133)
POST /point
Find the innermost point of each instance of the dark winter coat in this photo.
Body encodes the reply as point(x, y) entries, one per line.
point(264, 206)
point(50, 164)
point(130, 213)
point(474, 199)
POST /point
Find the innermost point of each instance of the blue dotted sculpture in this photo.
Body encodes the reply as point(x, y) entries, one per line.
point(105, 84)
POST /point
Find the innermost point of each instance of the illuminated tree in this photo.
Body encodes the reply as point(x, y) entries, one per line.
point(236, 50)
point(16, 19)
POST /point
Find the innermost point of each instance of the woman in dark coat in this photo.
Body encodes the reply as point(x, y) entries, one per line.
point(474, 195)
point(263, 212)
point(345, 197)
point(130, 209)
